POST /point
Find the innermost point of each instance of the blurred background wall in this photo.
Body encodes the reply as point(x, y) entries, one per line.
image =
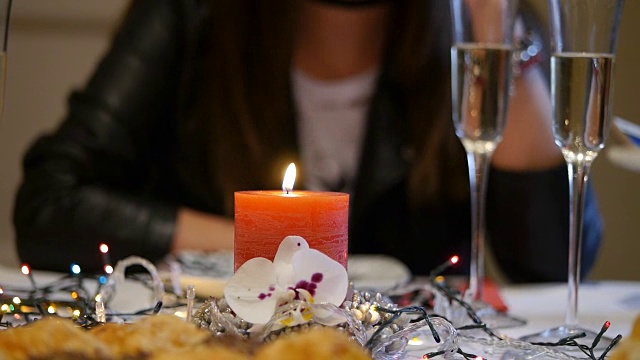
point(54, 46)
point(620, 189)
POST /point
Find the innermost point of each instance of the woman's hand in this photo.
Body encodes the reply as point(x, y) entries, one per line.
point(200, 231)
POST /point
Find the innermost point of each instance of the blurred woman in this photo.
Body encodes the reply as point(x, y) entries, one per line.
point(198, 99)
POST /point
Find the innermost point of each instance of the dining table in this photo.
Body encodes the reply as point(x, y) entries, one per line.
point(541, 305)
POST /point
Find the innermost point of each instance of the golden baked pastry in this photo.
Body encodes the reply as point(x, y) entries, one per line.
point(629, 348)
point(208, 352)
point(163, 337)
point(51, 338)
point(152, 334)
point(635, 331)
point(317, 344)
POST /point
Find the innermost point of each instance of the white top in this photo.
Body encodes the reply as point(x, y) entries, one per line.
point(331, 124)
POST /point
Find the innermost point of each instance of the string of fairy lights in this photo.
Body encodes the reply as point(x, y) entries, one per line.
point(67, 296)
point(70, 297)
point(76, 295)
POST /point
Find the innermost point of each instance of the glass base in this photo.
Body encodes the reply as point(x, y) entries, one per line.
point(556, 334)
point(495, 319)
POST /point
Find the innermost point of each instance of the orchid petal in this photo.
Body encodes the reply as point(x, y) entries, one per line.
point(323, 277)
point(289, 246)
point(251, 292)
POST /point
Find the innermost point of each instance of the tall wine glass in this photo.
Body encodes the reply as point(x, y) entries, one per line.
point(583, 46)
point(481, 72)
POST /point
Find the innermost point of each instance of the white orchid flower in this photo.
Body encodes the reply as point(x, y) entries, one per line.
point(297, 272)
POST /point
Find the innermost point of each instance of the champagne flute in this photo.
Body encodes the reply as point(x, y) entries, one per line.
point(481, 78)
point(584, 40)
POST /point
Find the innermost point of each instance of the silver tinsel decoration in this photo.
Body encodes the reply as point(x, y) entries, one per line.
point(216, 316)
point(360, 314)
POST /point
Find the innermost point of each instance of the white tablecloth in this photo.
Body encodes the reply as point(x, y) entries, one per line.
point(544, 306)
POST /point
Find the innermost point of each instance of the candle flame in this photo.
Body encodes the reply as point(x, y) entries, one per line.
point(289, 178)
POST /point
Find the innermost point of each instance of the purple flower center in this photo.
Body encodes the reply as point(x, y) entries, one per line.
point(317, 277)
point(268, 294)
point(311, 286)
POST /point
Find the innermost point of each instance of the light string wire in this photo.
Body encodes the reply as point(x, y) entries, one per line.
point(37, 298)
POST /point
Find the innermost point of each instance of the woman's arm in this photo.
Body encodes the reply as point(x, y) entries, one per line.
point(197, 230)
point(528, 143)
point(77, 188)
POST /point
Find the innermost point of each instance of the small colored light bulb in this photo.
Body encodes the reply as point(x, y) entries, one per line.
point(25, 269)
point(75, 268)
point(104, 248)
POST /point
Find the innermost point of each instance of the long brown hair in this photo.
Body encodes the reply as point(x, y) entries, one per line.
point(418, 53)
point(242, 115)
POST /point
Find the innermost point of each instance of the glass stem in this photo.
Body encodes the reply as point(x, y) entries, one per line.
point(578, 176)
point(478, 171)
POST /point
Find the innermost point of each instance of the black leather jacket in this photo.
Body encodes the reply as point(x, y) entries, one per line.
point(108, 174)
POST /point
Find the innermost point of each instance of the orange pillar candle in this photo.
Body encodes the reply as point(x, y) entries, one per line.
point(264, 218)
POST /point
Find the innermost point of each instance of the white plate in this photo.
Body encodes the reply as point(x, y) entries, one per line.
point(377, 272)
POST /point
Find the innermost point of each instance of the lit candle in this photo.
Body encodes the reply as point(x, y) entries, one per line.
point(264, 218)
